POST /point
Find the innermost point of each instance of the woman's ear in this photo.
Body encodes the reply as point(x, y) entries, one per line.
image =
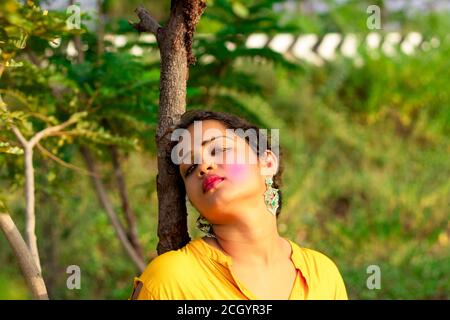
point(269, 163)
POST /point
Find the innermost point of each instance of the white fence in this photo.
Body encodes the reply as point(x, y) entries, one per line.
point(310, 47)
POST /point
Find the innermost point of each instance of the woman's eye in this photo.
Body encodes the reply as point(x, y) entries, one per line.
point(214, 151)
point(190, 169)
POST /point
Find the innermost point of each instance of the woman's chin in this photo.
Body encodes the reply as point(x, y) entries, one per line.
point(216, 199)
point(219, 200)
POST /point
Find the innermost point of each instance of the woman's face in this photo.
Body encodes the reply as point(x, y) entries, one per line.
point(240, 173)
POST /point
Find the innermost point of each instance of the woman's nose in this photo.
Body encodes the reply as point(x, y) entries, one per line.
point(205, 166)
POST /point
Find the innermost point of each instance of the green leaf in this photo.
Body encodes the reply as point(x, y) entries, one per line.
point(240, 9)
point(5, 147)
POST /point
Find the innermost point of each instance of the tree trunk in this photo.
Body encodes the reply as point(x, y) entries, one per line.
point(175, 45)
point(127, 209)
point(28, 147)
point(30, 220)
point(27, 264)
point(106, 203)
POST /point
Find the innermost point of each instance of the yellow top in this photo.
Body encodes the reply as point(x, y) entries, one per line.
point(199, 271)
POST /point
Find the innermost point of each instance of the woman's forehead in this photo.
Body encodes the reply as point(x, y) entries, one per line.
point(207, 124)
point(206, 133)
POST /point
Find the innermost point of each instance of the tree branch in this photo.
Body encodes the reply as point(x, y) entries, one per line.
point(2, 104)
point(100, 31)
point(30, 217)
point(146, 22)
point(41, 134)
point(107, 205)
point(51, 130)
point(29, 269)
point(19, 136)
point(63, 163)
point(126, 207)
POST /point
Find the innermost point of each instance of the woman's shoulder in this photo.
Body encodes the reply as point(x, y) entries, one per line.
point(168, 274)
point(321, 272)
point(171, 263)
point(316, 260)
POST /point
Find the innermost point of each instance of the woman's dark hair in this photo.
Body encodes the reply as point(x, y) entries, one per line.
point(233, 122)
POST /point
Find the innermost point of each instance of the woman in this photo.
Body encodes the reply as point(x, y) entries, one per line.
point(242, 255)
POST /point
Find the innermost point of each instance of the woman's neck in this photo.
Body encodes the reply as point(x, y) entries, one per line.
point(252, 240)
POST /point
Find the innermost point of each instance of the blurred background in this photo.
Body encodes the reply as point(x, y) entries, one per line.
point(358, 89)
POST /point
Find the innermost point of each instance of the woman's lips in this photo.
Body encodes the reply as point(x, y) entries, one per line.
point(211, 183)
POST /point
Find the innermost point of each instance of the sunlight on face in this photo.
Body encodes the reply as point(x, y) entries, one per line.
point(242, 182)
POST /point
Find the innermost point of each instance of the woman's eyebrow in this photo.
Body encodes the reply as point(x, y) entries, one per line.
point(203, 143)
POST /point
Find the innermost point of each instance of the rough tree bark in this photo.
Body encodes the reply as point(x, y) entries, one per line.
point(26, 261)
point(175, 46)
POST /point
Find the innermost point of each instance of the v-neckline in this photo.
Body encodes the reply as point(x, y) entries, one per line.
point(241, 285)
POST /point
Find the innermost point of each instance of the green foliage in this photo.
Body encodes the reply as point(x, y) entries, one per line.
point(20, 22)
point(404, 89)
point(6, 147)
point(225, 53)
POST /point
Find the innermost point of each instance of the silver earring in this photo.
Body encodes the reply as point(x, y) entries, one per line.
point(271, 197)
point(204, 226)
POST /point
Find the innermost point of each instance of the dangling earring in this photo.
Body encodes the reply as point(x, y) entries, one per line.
point(204, 226)
point(271, 197)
